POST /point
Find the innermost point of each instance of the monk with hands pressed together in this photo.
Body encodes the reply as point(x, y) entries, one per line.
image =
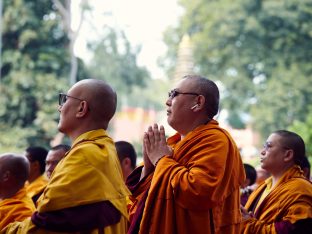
point(190, 182)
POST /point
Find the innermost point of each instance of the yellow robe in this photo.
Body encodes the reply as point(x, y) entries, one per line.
point(289, 201)
point(89, 173)
point(196, 191)
point(16, 208)
point(37, 186)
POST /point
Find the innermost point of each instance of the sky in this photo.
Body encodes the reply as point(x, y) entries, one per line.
point(143, 21)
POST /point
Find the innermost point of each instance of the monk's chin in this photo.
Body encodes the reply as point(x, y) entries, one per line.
point(59, 127)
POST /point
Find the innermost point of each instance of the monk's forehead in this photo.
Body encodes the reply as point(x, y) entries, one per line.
point(55, 154)
point(187, 83)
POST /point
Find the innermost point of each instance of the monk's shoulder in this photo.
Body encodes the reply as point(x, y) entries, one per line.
point(299, 185)
point(214, 135)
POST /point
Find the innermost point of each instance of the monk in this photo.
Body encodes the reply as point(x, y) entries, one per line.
point(189, 183)
point(86, 192)
point(283, 202)
point(37, 180)
point(127, 157)
point(55, 155)
point(15, 205)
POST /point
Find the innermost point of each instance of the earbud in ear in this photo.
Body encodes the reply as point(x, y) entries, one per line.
point(193, 107)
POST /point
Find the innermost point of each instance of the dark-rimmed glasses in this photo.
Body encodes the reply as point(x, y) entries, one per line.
point(63, 98)
point(173, 93)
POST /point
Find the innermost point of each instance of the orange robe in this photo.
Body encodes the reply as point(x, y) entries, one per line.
point(35, 188)
point(288, 202)
point(16, 208)
point(196, 190)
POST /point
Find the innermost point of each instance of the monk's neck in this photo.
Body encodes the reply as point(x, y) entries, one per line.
point(194, 126)
point(276, 176)
point(8, 193)
point(33, 177)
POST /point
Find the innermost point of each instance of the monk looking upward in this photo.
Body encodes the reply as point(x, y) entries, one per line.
point(15, 204)
point(191, 182)
point(86, 193)
point(283, 202)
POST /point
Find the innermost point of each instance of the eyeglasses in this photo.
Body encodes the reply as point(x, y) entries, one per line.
point(63, 98)
point(173, 93)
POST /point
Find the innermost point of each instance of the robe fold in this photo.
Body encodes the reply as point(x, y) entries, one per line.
point(197, 190)
point(88, 178)
point(16, 208)
point(286, 208)
point(35, 189)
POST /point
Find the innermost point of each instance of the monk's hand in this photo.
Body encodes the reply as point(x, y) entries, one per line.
point(156, 144)
point(246, 215)
point(148, 166)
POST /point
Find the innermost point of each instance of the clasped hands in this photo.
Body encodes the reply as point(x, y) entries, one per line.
point(154, 147)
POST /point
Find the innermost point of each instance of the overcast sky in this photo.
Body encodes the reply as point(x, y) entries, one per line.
point(144, 21)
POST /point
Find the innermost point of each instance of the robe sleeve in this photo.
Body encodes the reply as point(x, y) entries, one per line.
point(79, 218)
point(202, 179)
point(295, 218)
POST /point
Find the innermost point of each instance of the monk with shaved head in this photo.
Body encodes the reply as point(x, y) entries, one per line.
point(15, 204)
point(190, 182)
point(86, 192)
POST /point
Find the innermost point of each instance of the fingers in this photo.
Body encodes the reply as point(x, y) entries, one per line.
point(162, 134)
point(156, 133)
point(146, 143)
point(151, 137)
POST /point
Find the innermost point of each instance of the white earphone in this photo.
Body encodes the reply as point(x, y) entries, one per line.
point(193, 107)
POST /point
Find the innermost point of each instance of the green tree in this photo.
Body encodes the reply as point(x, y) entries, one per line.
point(304, 129)
point(259, 50)
point(34, 69)
point(115, 61)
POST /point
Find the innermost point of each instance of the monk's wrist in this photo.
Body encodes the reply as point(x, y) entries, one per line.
point(157, 161)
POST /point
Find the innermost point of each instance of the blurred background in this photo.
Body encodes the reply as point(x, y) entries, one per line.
point(259, 52)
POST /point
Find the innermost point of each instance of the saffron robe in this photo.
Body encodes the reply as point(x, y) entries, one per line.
point(89, 174)
point(35, 188)
point(290, 201)
point(16, 208)
point(195, 191)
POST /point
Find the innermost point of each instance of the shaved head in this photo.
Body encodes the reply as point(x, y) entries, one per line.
point(101, 97)
point(209, 90)
point(14, 171)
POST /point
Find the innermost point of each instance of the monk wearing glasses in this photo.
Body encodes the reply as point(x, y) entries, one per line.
point(86, 192)
point(190, 182)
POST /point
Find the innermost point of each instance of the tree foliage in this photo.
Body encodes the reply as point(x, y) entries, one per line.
point(36, 65)
point(260, 51)
point(34, 69)
point(304, 129)
point(115, 61)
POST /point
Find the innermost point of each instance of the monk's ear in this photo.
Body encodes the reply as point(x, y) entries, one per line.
point(289, 155)
point(126, 162)
point(200, 102)
point(5, 176)
point(82, 109)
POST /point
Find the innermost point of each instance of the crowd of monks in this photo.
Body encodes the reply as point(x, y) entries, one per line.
point(192, 182)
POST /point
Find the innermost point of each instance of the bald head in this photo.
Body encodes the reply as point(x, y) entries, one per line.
point(102, 99)
point(209, 90)
point(88, 105)
point(14, 171)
